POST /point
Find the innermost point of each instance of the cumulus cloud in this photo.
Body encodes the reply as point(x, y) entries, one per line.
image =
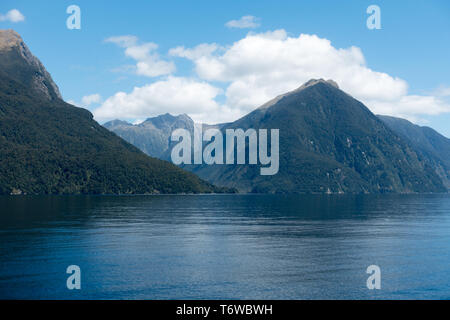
point(148, 61)
point(87, 101)
point(263, 65)
point(442, 91)
point(91, 99)
point(123, 41)
point(174, 95)
point(202, 50)
point(410, 106)
point(254, 70)
point(246, 22)
point(13, 15)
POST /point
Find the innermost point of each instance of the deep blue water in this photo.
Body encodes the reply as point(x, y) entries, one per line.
point(225, 246)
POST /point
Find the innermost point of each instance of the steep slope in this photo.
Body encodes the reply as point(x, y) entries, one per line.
point(50, 147)
point(153, 135)
point(22, 66)
point(329, 142)
point(434, 147)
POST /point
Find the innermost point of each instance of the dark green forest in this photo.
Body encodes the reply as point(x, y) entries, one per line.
point(329, 143)
point(51, 147)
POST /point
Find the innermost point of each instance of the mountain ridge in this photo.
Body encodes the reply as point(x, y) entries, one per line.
point(329, 143)
point(13, 49)
point(48, 146)
point(152, 136)
point(433, 146)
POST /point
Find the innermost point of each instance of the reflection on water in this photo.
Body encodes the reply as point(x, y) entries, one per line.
point(225, 246)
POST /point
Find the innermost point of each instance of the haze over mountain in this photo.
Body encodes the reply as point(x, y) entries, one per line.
point(329, 143)
point(50, 147)
point(153, 135)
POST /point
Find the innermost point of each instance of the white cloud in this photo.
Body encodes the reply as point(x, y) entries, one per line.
point(246, 22)
point(410, 105)
point(91, 99)
point(254, 70)
point(174, 95)
point(148, 61)
point(87, 101)
point(264, 65)
point(13, 15)
point(123, 41)
point(202, 50)
point(442, 91)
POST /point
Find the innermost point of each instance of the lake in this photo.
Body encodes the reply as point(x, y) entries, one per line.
point(225, 246)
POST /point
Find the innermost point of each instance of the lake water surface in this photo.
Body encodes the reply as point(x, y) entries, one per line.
point(225, 246)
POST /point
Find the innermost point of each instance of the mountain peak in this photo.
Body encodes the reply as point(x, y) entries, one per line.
point(22, 66)
point(167, 118)
point(313, 82)
point(307, 84)
point(9, 39)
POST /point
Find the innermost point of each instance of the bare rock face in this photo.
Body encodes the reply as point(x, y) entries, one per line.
point(18, 61)
point(9, 39)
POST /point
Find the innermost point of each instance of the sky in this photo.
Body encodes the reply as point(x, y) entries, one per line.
point(218, 60)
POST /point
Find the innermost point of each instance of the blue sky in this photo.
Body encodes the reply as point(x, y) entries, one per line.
point(412, 49)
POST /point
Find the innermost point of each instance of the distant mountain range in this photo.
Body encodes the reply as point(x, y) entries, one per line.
point(50, 147)
point(153, 135)
point(329, 143)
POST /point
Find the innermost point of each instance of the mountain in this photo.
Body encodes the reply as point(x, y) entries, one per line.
point(434, 147)
point(50, 147)
point(329, 143)
point(153, 135)
point(22, 66)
